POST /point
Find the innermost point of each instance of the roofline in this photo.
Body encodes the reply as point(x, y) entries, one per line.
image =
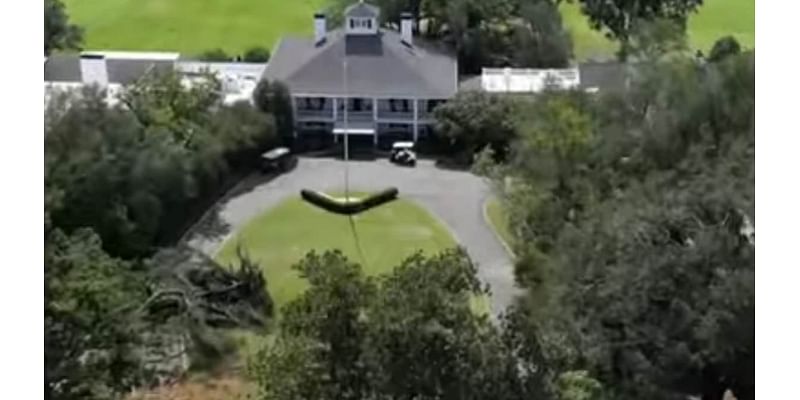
point(272, 53)
point(133, 55)
point(358, 96)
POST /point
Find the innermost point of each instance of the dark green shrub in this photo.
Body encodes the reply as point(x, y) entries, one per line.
point(724, 47)
point(256, 55)
point(215, 55)
point(328, 203)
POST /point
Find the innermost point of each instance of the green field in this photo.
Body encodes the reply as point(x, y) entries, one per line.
point(715, 19)
point(284, 234)
point(190, 26)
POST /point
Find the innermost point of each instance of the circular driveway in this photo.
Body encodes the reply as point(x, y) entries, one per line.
point(457, 198)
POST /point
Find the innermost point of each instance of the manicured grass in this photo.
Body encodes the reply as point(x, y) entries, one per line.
point(719, 18)
point(716, 18)
point(587, 43)
point(190, 26)
point(284, 234)
point(499, 220)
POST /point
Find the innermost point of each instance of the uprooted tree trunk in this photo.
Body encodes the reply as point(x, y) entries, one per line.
point(191, 295)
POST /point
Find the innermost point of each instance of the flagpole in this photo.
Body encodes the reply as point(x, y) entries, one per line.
point(346, 132)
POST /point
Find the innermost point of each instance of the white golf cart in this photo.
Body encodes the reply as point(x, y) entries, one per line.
point(403, 154)
point(279, 159)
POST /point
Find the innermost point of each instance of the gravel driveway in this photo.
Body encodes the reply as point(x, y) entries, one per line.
point(457, 198)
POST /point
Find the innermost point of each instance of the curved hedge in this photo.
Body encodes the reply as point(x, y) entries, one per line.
point(337, 206)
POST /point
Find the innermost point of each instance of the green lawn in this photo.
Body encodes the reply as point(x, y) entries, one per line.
point(499, 220)
point(190, 26)
point(715, 19)
point(283, 235)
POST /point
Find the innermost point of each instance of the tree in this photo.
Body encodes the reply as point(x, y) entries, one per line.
point(541, 41)
point(274, 98)
point(724, 47)
point(473, 120)
point(256, 55)
point(409, 334)
point(136, 175)
point(647, 284)
point(652, 39)
point(59, 34)
point(162, 101)
point(89, 342)
point(619, 18)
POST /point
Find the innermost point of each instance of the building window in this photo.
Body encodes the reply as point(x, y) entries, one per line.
point(360, 23)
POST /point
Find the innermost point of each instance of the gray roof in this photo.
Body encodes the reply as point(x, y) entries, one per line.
point(125, 71)
point(362, 10)
point(377, 65)
point(62, 68)
point(604, 76)
point(67, 68)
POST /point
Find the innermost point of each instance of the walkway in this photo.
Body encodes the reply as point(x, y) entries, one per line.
point(455, 197)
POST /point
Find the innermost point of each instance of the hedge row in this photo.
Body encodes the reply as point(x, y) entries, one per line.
point(337, 206)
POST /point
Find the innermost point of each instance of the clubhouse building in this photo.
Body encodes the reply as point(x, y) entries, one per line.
point(377, 85)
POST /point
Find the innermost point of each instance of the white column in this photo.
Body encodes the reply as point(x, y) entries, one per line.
point(375, 120)
point(416, 123)
point(335, 108)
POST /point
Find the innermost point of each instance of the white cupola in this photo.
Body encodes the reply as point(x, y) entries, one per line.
point(361, 19)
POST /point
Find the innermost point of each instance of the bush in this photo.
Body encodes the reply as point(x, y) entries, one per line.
point(256, 55)
point(724, 47)
point(215, 55)
point(274, 98)
point(337, 206)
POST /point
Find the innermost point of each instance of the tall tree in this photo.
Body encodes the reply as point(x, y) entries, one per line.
point(274, 98)
point(89, 343)
point(619, 18)
point(541, 40)
point(135, 174)
point(648, 283)
point(474, 120)
point(59, 33)
point(409, 334)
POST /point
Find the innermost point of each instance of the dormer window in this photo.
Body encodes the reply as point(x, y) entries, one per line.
point(360, 23)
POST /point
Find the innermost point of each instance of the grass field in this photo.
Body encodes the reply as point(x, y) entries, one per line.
point(715, 19)
point(190, 26)
point(283, 235)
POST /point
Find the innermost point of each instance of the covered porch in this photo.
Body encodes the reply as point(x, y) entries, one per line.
point(388, 114)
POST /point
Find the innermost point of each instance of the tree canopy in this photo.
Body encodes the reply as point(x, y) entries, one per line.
point(409, 334)
point(59, 33)
point(619, 18)
point(131, 173)
point(121, 182)
point(634, 223)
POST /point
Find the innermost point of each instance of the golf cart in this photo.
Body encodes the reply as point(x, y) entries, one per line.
point(403, 154)
point(279, 159)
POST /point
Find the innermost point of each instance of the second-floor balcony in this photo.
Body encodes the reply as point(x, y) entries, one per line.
point(360, 110)
point(324, 114)
point(355, 115)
